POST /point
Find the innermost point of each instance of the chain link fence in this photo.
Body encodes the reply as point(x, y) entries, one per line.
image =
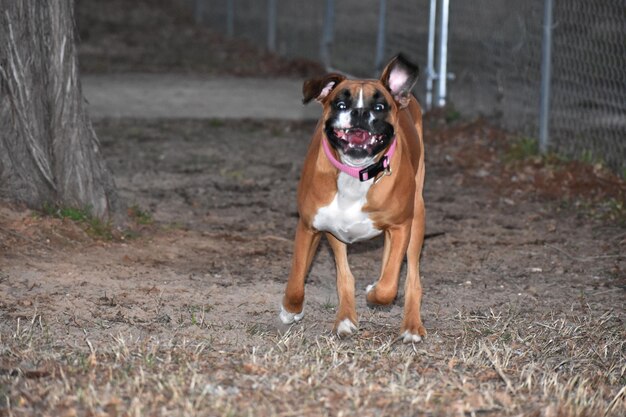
point(588, 100)
point(494, 53)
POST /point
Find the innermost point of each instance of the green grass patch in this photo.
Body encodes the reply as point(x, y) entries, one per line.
point(94, 226)
point(452, 115)
point(522, 149)
point(328, 305)
point(216, 123)
point(613, 209)
point(139, 215)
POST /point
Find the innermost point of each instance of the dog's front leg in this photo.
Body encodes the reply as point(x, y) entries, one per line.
point(346, 321)
point(306, 243)
point(384, 291)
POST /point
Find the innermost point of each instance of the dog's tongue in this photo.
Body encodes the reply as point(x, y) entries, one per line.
point(358, 136)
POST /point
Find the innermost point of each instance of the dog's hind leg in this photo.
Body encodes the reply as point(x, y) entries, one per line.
point(346, 322)
point(306, 243)
point(412, 328)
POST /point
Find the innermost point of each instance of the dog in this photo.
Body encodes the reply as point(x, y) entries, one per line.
point(363, 176)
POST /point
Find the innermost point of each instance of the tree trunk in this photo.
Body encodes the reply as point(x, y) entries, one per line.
point(49, 152)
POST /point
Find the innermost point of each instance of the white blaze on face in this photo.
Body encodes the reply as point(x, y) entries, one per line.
point(360, 103)
point(344, 117)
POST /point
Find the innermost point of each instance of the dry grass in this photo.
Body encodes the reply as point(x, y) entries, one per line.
point(477, 363)
point(561, 357)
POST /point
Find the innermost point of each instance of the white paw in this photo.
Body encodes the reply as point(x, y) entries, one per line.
point(369, 288)
point(346, 328)
point(408, 337)
point(288, 318)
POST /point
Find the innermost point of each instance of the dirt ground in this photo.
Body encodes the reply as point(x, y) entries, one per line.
point(523, 269)
point(499, 269)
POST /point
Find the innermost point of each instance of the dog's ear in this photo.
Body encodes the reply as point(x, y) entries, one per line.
point(319, 88)
point(399, 77)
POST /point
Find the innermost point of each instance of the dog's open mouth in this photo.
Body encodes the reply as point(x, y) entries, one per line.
point(358, 139)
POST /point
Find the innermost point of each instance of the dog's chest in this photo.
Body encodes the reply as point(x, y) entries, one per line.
point(344, 216)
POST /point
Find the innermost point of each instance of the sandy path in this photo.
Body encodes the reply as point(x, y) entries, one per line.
point(187, 96)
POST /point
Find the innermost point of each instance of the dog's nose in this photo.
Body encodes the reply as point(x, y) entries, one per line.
point(358, 112)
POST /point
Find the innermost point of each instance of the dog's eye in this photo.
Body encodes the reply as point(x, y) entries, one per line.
point(341, 105)
point(379, 107)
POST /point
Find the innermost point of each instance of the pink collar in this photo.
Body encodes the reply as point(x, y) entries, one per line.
point(363, 174)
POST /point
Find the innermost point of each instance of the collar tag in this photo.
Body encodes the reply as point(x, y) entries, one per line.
point(371, 171)
point(386, 172)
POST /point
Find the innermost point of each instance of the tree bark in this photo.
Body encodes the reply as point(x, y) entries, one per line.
point(49, 152)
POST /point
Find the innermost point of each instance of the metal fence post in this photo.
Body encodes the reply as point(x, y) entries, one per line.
point(198, 11)
point(271, 25)
point(230, 18)
point(430, 66)
point(380, 39)
point(328, 33)
point(546, 63)
point(443, 54)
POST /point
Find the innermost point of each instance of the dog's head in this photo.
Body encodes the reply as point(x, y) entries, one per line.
point(360, 115)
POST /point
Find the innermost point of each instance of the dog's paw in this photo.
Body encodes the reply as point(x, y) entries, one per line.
point(374, 300)
point(288, 318)
point(408, 337)
point(345, 328)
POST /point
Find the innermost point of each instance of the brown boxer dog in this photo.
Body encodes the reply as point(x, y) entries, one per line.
point(363, 176)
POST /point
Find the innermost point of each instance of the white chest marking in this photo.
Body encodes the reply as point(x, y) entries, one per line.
point(344, 216)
